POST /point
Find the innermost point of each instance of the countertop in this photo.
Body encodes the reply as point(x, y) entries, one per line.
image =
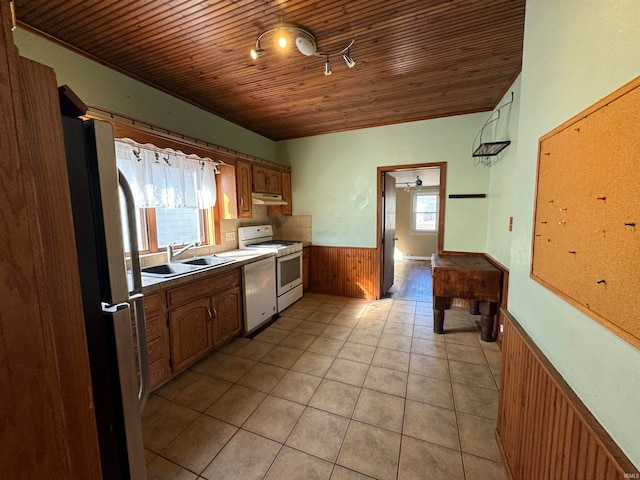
point(241, 257)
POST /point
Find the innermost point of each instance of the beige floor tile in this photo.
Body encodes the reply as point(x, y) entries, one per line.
point(199, 443)
point(426, 332)
point(341, 473)
point(464, 353)
point(298, 340)
point(386, 380)
point(424, 460)
point(335, 397)
point(395, 342)
point(493, 357)
point(313, 364)
point(365, 337)
point(429, 366)
point(322, 316)
point(161, 469)
point(337, 332)
point(287, 323)
point(281, 356)
point(424, 308)
point(464, 336)
point(400, 306)
point(433, 348)
point(236, 405)
point(353, 310)
point(262, 377)
point(165, 424)
point(200, 394)
point(330, 308)
point(223, 366)
point(172, 388)
point(297, 387)
point(308, 304)
point(319, 433)
point(234, 345)
point(274, 418)
point(326, 346)
point(391, 359)
point(370, 450)
point(424, 317)
point(380, 409)
point(148, 456)
point(475, 400)
point(357, 352)
point(394, 328)
point(294, 465)
point(247, 456)
point(375, 324)
point(347, 371)
point(430, 390)
point(344, 320)
point(431, 424)
point(476, 467)
point(477, 436)
point(255, 350)
point(476, 375)
point(297, 312)
point(154, 402)
point(311, 328)
point(272, 335)
point(406, 318)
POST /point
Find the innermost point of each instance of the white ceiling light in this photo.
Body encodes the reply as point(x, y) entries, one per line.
point(306, 44)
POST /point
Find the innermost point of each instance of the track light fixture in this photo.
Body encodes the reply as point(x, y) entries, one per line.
point(417, 185)
point(306, 44)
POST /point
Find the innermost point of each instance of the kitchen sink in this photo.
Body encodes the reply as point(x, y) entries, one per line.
point(165, 270)
point(208, 261)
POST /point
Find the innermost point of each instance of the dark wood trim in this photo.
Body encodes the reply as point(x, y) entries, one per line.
point(468, 195)
point(544, 429)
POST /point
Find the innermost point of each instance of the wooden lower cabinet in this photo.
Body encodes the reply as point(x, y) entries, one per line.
point(190, 333)
point(306, 256)
point(227, 320)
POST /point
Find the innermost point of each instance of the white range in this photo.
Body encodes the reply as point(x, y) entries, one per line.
point(288, 271)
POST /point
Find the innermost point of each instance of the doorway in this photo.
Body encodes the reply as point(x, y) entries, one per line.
point(424, 178)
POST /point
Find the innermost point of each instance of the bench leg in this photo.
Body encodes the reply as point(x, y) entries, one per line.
point(488, 311)
point(440, 304)
point(474, 307)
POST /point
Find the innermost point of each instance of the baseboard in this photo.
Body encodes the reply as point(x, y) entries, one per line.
point(415, 257)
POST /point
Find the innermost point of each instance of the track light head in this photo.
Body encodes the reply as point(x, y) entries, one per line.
point(348, 60)
point(327, 67)
point(256, 53)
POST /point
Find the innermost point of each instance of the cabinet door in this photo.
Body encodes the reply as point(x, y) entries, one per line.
point(283, 210)
point(190, 331)
point(260, 178)
point(274, 182)
point(227, 321)
point(243, 178)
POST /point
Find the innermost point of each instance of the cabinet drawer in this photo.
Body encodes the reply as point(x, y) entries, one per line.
point(154, 327)
point(156, 373)
point(155, 351)
point(152, 303)
point(203, 288)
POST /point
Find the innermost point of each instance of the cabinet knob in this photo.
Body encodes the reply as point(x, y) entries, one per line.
point(209, 313)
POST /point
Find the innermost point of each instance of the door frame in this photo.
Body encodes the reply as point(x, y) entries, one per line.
point(379, 211)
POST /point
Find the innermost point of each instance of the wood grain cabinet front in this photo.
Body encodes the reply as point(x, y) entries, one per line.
point(266, 180)
point(227, 321)
point(190, 331)
point(243, 183)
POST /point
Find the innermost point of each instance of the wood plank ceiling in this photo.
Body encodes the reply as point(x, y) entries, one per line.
point(415, 59)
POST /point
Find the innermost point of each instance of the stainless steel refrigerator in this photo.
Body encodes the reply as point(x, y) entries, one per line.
point(108, 295)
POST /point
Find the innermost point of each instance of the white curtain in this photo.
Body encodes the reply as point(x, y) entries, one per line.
point(165, 177)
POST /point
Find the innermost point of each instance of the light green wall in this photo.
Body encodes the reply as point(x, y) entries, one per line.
point(103, 87)
point(334, 178)
point(575, 53)
point(501, 180)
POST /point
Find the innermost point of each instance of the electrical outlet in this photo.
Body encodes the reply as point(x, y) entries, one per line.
point(501, 328)
point(230, 236)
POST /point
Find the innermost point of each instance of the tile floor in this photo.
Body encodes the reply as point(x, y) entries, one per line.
point(336, 388)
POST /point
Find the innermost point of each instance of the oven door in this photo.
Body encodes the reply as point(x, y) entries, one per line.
point(289, 272)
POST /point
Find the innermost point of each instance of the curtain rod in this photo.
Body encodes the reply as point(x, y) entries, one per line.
point(155, 128)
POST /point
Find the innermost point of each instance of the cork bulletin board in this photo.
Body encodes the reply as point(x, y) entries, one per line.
point(586, 232)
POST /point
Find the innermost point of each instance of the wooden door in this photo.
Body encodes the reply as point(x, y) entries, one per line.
point(388, 230)
point(274, 181)
point(283, 210)
point(243, 178)
point(48, 425)
point(227, 321)
point(190, 332)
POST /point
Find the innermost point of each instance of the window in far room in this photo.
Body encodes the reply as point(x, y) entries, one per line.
point(425, 212)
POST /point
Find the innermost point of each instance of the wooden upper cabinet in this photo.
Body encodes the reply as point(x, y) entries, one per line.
point(283, 210)
point(243, 182)
point(228, 192)
point(266, 180)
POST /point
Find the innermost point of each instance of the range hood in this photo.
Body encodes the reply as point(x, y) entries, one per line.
point(267, 199)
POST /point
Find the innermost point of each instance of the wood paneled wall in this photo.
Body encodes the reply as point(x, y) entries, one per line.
point(347, 271)
point(544, 430)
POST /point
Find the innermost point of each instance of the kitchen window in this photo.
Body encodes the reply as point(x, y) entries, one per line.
point(425, 212)
point(175, 194)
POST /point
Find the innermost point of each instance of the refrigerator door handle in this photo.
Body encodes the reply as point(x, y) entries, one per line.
point(107, 308)
point(135, 295)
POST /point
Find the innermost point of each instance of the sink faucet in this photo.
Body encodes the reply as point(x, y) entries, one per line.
point(171, 255)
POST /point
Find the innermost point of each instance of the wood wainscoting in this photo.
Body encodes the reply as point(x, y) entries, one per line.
point(346, 271)
point(544, 431)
